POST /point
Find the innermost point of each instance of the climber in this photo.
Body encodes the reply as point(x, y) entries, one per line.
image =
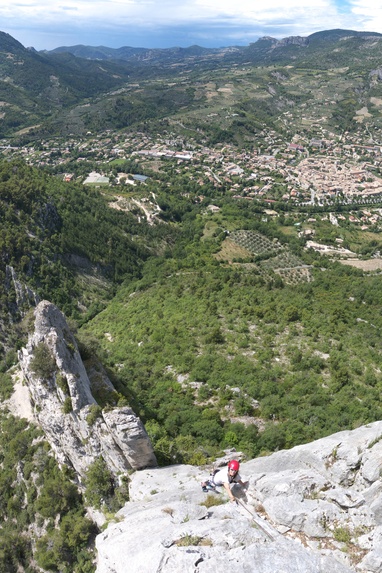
point(227, 477)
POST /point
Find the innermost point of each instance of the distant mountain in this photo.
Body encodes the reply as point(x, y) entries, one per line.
point(98, 52)
point(142, 55)
point(323, 47)
point(46, 91)
point(34, 85)
point(338, 34)
point(265, 48)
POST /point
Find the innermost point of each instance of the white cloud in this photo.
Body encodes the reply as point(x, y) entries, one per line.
point(226, 20)
point(165, 12)
point(368, 14)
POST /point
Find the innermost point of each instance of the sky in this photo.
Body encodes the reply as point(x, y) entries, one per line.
point(48, 24)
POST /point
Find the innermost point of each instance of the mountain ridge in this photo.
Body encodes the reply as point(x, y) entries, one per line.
point(129, 52)
point(46, 93)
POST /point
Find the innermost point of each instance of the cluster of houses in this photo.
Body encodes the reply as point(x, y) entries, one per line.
point(311, 171)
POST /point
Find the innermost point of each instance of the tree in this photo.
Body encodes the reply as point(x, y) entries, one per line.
point(43, 363)
point(99, 483)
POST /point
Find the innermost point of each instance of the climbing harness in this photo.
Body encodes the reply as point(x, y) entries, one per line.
point(210, 485)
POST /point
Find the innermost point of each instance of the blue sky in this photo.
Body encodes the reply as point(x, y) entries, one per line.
point(47, 24)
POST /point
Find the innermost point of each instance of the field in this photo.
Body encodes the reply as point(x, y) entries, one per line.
point(231, 251)
point(370, 265)
point(270, 256)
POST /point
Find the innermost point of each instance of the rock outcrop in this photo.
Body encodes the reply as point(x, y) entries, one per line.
point(316, 508)
point(25, 297)
point(292, 41)
point(20, 298)
point(78, 430)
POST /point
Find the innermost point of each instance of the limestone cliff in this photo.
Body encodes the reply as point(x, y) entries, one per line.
point(316, 508)
point(64, 405)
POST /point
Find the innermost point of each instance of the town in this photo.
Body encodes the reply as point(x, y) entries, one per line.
point(301, 172)
point(297, 174)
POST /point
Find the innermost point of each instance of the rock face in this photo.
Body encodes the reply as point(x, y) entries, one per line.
point(17, 306)
point(60, 389)
point(25, 297)
point(294, 41)
point(316, 508)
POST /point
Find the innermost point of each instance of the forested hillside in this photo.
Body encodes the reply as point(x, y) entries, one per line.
point(223, 341)
point(59, 242)
point(199, 346)
point(65, 244)
point(214, 355)
point(39, 503)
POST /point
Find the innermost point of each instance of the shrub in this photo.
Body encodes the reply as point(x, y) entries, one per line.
point(212, 500)
point(189, 539)
point(6, 386)
point(62, 383)
point(99, 483)
point(94, 413)
point(67, 407)
point(10, 360)
point(15, 551)
point(67, 545)
point(342, 534)
point(215, 336)
point(42, 363)
point(122, 494)
point(57, 496)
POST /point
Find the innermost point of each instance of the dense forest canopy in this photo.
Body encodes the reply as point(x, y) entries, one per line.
point(201, 349)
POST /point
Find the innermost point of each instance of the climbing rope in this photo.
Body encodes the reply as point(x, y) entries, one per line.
point(239, 502)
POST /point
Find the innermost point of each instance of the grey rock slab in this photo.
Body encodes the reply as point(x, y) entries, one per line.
point(372, 463)
point(311, 517)
point(155, 541)
point(307, 498)
point(166, 528)
point(344, 498)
